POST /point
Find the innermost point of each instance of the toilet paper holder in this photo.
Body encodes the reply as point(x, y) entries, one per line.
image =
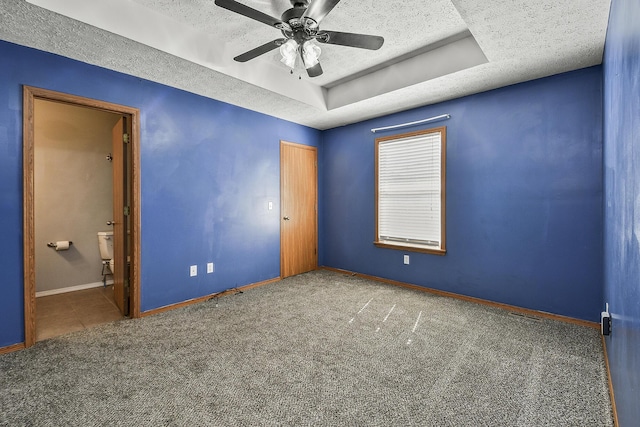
point(55, 244)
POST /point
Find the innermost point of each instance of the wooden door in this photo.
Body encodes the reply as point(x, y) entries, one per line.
point(120, 273)
point(298, 209)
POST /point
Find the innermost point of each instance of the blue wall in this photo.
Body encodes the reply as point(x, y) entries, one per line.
point(524, 197)
point(208, 170)
point(622, 204)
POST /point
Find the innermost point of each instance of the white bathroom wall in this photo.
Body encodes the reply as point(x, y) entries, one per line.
point(73, 193)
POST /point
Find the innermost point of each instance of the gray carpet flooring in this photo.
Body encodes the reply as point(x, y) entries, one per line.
point(317, 349)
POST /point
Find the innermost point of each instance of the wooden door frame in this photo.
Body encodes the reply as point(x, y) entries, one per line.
point(315, 151)
point(30, 94)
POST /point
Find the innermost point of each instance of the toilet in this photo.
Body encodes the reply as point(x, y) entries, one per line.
point(105, 243)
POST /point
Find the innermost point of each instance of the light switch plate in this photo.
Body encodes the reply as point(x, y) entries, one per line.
point(406, 260)
point(209, 267)
point(193, 270)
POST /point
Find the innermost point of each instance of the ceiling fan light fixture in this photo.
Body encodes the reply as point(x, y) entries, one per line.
point(289, 52)
point(310, 54)
point(300, 25)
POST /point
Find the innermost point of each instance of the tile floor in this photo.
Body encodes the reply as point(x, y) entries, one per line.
point(73, 311)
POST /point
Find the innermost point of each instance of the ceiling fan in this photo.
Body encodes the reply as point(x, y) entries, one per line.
point(300, 27)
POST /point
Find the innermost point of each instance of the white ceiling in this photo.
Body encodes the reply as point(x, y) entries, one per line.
point(189, 44)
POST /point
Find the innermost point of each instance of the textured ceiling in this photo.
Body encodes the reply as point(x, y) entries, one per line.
point(521, 40)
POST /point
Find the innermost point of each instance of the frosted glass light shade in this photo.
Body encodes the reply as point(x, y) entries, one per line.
point(289, 52)
point(311, 54)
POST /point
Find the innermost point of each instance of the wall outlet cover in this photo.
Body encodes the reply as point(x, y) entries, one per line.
point(193, 270)
point(209, 267)
point(605, 323)
point(406, 260)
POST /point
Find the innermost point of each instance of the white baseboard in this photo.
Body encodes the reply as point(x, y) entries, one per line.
point(71, 289)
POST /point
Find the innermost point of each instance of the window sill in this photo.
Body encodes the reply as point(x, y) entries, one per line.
point(432, 251)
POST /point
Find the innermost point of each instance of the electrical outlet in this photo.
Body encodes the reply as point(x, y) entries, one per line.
point(209, 267)
point(193, 270)
point(605, 321)
point(406, 260)
point(270, 205)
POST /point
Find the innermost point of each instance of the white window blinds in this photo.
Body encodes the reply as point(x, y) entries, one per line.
point(410, 190)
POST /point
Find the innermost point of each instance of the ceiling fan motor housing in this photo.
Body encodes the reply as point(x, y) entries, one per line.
point(293, 15)
point(300, 29)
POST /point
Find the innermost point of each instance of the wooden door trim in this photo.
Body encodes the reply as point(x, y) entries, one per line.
point(315, 151)
point(30, 94)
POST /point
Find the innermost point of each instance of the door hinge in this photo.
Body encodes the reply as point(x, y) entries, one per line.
point(127, 210)
point(125, 138)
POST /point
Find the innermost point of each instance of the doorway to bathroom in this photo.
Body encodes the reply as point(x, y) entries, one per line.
point(81, 163)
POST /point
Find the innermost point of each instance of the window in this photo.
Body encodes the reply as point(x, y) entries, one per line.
point(410, 191)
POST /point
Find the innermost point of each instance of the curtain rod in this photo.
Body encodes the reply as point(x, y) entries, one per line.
point(430, 119)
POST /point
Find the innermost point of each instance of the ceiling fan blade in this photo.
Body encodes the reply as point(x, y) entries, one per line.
point(314, 71)
point(362, 41)
point(249, 12)
point(254, 53)
point(318, 9)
